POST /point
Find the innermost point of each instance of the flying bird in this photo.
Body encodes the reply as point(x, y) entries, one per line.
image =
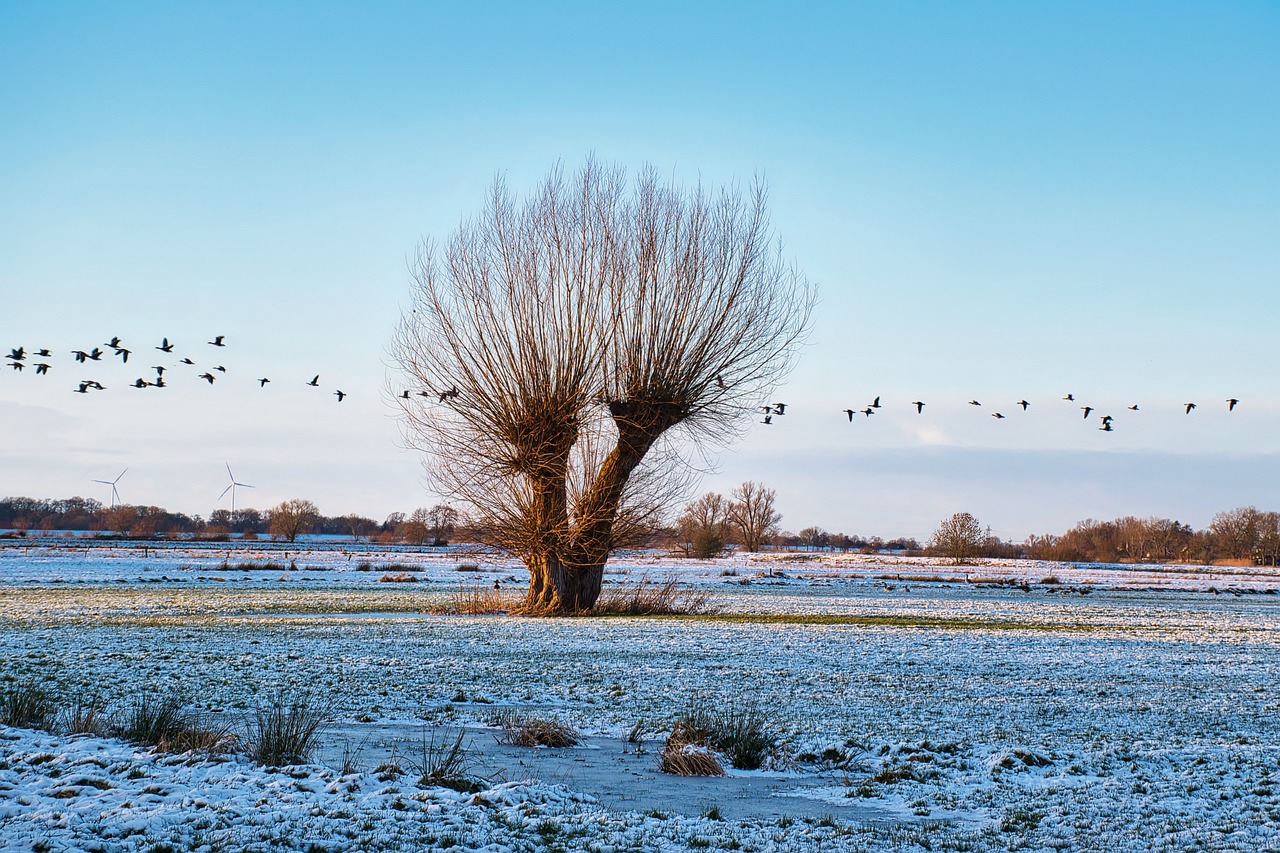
point(208, 377)
point(114, 343)
point(217, 341)
point(997, 415)
point(453, 392)
point(1023, 404)
point(768, 419)
point(405, 395)
point(1189, 406)
point(1107, 419)
point(315, 383)
point(124, 354)
point(875, 404)
point(42, 368)
point(919, 407)
point(83, 389)
point(1070, 397)
point(720, 381)
point(186, 360)
point(1086, 410)
point(165, 346)
point(81, 355)
point(96, 355)
point(17, 365)
point(1231, 404)
point(220, 369)
point(974, 403)
point(95, 385)
point(262, 383)
point(868, 411)
point(44, 353)
point(1133, 408)
point(141, 383)
point(159, 383)
point(779, 408)
point(340, 395)
point(850, 413)
point(1106, 427)
point(18, 354)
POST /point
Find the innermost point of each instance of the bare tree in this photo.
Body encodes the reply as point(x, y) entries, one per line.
point(704, 526)
point(441, 521)
point(292, 518)
point(814, 538)
point(578, 345)
point(959, 537)
point(752, 514)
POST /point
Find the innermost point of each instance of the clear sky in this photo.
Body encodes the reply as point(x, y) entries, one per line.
point(998, 201)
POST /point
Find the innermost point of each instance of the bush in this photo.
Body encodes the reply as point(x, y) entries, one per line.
point(27, 705)
point(686, 754)
point(288, 730)
point(521, 730)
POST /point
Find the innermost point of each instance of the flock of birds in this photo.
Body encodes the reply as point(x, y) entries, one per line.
point(40, 362)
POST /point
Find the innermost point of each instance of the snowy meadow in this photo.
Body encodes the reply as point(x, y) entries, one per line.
point(911, 705)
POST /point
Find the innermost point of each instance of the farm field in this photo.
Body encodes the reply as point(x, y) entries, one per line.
point(1005, 705)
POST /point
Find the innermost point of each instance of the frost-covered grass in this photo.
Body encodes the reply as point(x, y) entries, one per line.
point(1139, 715)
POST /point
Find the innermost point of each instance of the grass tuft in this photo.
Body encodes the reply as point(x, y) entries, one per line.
point(655, 598)
point(685, 753)
point(522, 730)
point(447, 765)
point(27, 705)
point(288, 730)
point(480, 600)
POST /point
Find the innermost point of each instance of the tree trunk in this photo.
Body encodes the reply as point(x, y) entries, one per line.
point(558, 589)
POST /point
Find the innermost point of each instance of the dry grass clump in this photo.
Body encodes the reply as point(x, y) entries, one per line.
point(738, 734)
point(480, 600)
point(288, 730)
point(398, 577)
point(27, 705)
point(522, 730)
point(85, 717)
point(162, 722)
point(447, 765)
point(685, 753)
point(655, 598)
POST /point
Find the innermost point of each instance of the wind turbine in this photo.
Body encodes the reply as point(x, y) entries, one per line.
point(232, 489)
point(115, 495)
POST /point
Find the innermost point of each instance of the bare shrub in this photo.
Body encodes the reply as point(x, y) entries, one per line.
point(655, 598)
point(521, 730)
point(288, 730)
point(686, 754)
point(27, 705)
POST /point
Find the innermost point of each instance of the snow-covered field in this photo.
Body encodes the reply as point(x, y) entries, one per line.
point(1010, 705)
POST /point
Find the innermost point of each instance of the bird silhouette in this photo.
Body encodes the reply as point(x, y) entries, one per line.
point(95, 385)
point(919, 407)
point(1086, 410)
point(158, 368)
point(96, 354)
point(1231, 404)
point(17, 365)
point(1106, 427)
point(81, 355)
point(1070, 397)
point(1189, 406)
point(207, 377)
point(453, 392)
point(83, 389)
point(315, 383)
point(42, 368)
point(262, 383)
point(217, 341)
point(124, 354)
point(974, 403)
point(868, 411)
point(44, 353)
point(220, 369)
point(1023, 404)
point(997, 416)
point(405, 395)
point(18, 354)
point(141, 383)
point(159, 383)
point(340, 395)
point(1133, 408)
point(720, 381)
point(114, 343)
point(875, 404)
point(165, 346)
point(779, 408)
point(1106, 419)
point(186, 360)
point(768, 419)
point(850, 413)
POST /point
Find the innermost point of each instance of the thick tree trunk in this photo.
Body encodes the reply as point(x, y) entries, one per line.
point(558, 589)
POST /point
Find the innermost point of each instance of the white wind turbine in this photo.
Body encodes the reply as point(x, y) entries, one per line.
point(115, 495)
point(232, 489)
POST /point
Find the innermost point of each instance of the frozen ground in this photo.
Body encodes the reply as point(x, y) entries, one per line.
point(1111, 708)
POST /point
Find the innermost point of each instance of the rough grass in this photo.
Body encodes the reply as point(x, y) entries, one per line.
point(164, 723)
point(654, 598)
point(85, 717)
point(522, 730)
point(447, 765)
point(288, 729)
point(481, 600)
point(28, 705)
point(740, 734)
point(686, 754)
point(398, 577)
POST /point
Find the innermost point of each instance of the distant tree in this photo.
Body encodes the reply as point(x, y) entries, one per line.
point(959, 537)
point(752, 514)
point(358, 526)
point(417, 529)
point(394, 520)
point(292, 518)
point(441, 520)
point(575, 341)
point(121, 518)
point(814, 538)
point(704, 525)
point(1236, 532)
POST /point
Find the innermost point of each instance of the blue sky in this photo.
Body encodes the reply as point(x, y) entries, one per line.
point(998, 201)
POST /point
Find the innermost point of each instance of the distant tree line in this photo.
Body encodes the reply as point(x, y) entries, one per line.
point(288, 520)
